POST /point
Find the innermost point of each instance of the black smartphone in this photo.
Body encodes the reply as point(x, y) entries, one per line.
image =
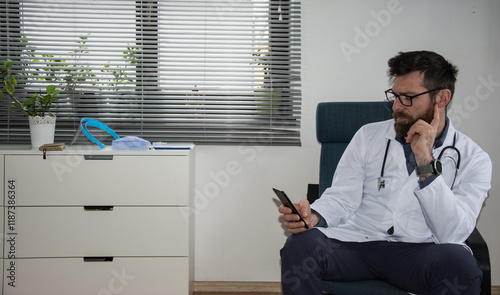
point(286, 201)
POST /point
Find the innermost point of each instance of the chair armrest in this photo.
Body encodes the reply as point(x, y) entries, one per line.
point(312, 192)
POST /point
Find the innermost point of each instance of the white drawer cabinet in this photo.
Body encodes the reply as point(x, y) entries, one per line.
point(123, 275)
point(97, 222)
point(101, 179)
point(122, 231)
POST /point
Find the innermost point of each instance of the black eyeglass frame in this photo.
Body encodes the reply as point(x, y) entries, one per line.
point(398, 96)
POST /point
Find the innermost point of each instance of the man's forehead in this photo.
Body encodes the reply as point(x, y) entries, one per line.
point(412, 82)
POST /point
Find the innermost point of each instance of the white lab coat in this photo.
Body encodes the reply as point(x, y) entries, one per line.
point(355, 210)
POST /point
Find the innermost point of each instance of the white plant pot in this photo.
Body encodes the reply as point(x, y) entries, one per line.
point(42, 130)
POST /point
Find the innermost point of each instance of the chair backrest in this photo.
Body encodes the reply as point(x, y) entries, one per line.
point(336, 124)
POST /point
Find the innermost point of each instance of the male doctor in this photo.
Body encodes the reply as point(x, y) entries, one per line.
point(409, 232)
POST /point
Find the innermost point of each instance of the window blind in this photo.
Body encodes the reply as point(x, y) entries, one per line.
point(208, 72)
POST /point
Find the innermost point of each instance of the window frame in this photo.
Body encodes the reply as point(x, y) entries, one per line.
point(282, 78)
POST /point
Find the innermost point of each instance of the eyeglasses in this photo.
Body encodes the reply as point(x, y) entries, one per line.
point(405, 100)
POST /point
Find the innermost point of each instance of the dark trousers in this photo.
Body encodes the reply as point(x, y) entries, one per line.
point(310, 257)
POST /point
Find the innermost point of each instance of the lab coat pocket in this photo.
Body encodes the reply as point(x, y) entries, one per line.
point(409, 221)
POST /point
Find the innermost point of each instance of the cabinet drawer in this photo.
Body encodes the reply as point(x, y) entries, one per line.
point(75, 232)
point(2, 190)
point(122, 180)
point(124, 276)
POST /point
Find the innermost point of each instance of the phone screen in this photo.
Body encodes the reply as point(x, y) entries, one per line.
point(286, 201)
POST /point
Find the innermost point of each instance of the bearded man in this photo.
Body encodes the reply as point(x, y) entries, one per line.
point(411, 231)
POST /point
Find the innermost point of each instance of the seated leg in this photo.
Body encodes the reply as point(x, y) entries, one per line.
point(433, 269)
point(310, 257)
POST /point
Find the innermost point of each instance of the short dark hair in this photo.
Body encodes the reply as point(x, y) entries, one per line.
point(438, 72)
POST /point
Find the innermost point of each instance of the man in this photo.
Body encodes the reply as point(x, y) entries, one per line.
point(409, 232)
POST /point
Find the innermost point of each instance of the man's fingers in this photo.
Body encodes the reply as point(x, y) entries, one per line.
point(291, 220)
point(435, 120)
point(290, 217)
point(284, 209)
point(304, 207)
point(413, 132)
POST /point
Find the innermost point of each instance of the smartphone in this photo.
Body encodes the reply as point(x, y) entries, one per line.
point(286, 201)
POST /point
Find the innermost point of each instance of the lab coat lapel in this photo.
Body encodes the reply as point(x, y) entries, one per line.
point(396, 151)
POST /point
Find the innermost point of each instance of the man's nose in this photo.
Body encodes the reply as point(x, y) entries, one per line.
point(397, 105)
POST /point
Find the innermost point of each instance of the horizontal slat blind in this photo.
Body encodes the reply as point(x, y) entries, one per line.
point(208, 72)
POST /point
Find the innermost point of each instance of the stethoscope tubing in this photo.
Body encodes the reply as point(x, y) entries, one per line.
point(381, 182)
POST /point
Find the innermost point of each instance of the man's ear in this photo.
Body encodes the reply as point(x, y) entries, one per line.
point(443, 98)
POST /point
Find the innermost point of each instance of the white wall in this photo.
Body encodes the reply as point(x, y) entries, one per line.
point(238, 233)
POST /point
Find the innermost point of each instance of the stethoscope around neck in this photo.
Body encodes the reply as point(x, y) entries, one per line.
point(381, 180)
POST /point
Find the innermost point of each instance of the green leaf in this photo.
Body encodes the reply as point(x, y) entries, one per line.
point(32, 99)
point(9, 87)
point(45, 99)
point(13, 79)
point(50, 89)
point(7, 64)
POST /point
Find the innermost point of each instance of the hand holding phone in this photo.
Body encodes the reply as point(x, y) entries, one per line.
point(286, 202)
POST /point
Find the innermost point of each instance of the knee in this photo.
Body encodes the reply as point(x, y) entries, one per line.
point(301, 245)
point(455, 257)
point(453, 266)
point(295, 244)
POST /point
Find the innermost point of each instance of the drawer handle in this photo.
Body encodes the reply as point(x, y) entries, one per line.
point(98, 208)
point(97, 259)
point(98, 157)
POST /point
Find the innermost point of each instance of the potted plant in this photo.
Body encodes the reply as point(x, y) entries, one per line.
point(37, 108)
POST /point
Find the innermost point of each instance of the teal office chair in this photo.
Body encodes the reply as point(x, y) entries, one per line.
point(336, 123)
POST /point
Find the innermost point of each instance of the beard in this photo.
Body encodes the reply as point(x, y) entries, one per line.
point(402, 128)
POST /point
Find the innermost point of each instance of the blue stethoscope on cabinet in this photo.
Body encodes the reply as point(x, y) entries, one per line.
point(381, 180)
